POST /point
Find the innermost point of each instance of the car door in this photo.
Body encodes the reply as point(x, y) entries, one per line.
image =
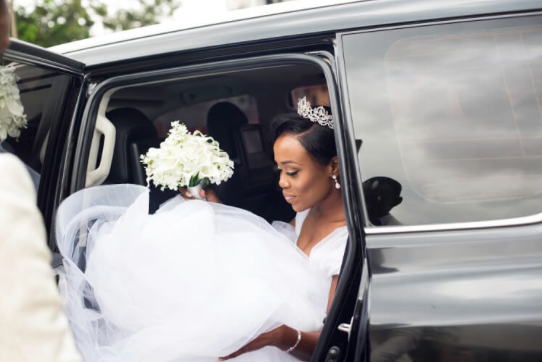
point(451, 113)
point(343, 329)
point(52, 89)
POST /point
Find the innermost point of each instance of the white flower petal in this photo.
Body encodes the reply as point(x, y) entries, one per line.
point(12, 117)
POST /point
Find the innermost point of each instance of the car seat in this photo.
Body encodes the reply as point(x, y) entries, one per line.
point(135, 134)
point(254, 185)
point(262, 193)
point(223, 120)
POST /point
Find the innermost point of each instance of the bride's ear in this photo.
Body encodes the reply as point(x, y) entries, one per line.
point(334, 165)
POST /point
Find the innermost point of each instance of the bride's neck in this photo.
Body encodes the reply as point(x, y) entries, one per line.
point(331, 208)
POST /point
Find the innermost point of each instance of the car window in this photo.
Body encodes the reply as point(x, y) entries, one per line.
point(316, 95)
point(195, 116)
point(453, 114)
point(36, 94)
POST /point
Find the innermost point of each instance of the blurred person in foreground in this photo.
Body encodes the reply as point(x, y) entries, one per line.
point(32, 326)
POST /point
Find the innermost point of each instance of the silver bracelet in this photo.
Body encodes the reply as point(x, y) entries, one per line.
point(296, 343)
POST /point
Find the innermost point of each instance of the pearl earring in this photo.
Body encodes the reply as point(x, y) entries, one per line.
point(337, 184)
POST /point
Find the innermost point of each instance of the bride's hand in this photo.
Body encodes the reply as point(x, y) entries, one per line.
point(208, 194)
point(284, 338)
point(270, 338)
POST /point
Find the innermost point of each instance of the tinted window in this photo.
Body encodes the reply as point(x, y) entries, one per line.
point(195, 116)
point(37, 97)
point(453, 113)
point(316, 95)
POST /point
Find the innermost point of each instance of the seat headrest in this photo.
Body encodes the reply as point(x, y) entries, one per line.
point(222, 120)
point(133, 131)
point(127, 118)
point(226, 114)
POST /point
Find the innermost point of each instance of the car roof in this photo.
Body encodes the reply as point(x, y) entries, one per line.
point(283, 20)
point(191, 20)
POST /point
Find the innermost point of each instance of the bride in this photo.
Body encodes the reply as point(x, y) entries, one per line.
point(198, 280)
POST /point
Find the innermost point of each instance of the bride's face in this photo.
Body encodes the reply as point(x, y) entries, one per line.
point(303, 180)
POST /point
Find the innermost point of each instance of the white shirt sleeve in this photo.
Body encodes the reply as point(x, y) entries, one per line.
point(32, 326)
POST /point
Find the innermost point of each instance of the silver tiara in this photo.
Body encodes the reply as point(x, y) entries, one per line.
point(318, 114)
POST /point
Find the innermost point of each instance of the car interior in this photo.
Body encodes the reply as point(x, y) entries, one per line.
point(234, 108)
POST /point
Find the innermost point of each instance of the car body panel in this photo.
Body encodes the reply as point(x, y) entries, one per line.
point(267, 27)
point(474, 294)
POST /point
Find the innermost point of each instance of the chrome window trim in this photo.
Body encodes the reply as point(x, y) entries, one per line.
point(470, 225)
point(348, 121)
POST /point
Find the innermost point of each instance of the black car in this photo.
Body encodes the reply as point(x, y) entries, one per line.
point(438, 122)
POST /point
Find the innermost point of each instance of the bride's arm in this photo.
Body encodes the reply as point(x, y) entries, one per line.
point(285, 337)
point(306, 346)
point(332, 289)
point(308, 341)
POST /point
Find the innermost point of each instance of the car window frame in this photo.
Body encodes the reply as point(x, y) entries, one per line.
point(353, 259)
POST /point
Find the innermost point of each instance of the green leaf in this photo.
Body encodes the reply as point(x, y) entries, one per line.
point(194, 181)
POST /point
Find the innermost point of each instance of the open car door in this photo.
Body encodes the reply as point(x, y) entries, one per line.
point(53, 90)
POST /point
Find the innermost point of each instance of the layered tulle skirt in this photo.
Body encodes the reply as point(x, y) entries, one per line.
point(192, 282)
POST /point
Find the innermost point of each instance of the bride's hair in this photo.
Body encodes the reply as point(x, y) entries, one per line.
point(319, 141)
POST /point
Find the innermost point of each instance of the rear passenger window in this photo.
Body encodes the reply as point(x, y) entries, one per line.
point(195, 116)
point(452, 113)
point(316, 95)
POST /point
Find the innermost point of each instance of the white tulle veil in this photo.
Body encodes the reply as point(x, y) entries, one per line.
point(192, 282)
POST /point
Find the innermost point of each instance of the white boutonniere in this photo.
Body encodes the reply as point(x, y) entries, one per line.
point(186, 160)
point(12, 116)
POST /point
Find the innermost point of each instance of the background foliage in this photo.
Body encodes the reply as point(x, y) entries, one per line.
point(53, 22)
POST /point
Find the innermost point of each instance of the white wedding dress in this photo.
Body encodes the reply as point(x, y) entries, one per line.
point(192, 282)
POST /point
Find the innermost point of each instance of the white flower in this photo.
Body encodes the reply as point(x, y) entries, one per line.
point(186, 159)
point(12, 117)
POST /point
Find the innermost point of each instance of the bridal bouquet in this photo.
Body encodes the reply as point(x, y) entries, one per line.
point(186, 160)
point(12, 117)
